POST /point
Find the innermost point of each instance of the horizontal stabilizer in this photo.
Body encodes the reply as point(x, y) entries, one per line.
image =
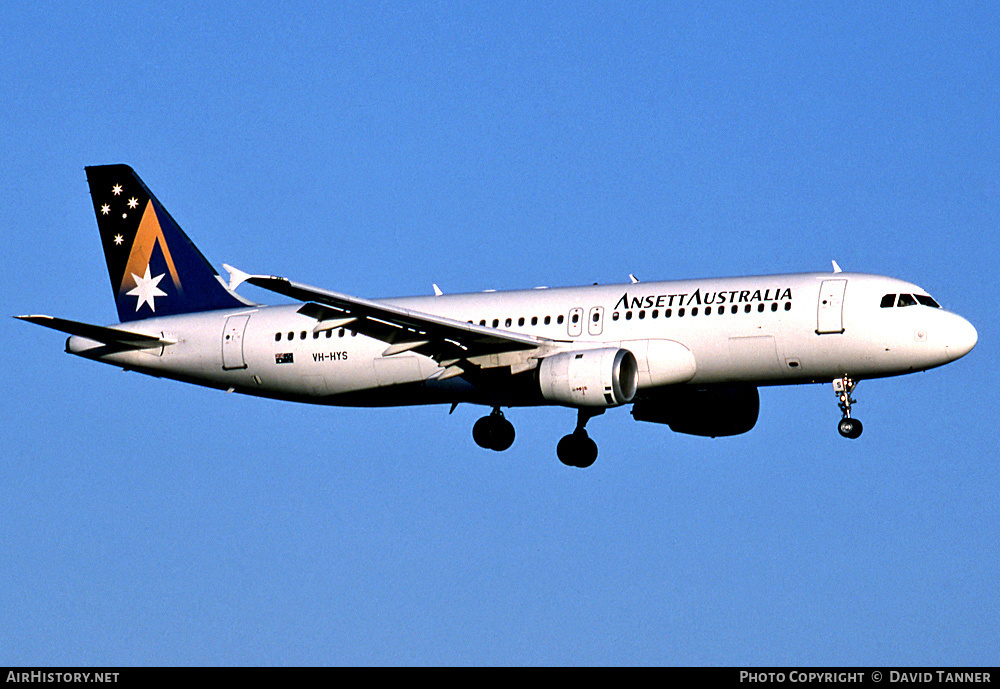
point(99, 333)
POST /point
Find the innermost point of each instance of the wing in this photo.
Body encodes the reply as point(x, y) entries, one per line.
point(455, 345)
point(99, 333)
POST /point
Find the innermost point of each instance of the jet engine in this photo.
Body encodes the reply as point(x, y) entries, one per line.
point(712, 412)
point(605, 377)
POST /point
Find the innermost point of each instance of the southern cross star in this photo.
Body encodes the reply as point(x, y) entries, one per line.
point(146, 289)
point(116, 190)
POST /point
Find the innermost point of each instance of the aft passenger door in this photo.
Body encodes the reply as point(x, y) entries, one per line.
point(232, 342)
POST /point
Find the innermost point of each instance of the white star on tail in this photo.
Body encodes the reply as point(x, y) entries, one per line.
point(146, 289)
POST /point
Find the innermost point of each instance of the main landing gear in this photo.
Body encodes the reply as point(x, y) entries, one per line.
point(493, 432)
point(577, 449)
point(848, 427)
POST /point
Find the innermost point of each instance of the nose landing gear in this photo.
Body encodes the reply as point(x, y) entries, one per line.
point(848, 427)
point(493, 432)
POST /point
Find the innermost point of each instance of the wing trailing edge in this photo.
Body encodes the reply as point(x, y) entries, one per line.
point(402, 329)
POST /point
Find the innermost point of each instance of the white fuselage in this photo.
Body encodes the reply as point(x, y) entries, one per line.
point(762, 330)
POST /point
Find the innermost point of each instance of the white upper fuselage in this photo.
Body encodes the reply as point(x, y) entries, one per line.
point(762, 330)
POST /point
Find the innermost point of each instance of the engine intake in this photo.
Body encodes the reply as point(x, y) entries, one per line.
point(589, 378)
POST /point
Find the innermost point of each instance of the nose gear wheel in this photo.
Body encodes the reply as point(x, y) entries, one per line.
point(848, 427)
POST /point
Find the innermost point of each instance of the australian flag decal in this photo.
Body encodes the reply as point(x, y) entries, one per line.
point(284, 358)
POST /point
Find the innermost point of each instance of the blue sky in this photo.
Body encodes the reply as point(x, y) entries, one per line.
point(378, 148)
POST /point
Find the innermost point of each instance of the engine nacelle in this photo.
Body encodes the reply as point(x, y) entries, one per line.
point(710, 412)
point(589, 378)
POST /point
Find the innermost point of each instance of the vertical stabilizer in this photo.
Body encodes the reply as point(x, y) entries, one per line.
point(155, 270)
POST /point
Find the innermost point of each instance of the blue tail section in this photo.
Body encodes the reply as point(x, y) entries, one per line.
point(155, 269)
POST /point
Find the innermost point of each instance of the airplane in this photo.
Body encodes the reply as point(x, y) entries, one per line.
point(690, 354)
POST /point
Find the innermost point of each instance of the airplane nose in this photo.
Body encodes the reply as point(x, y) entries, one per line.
point(962, 337)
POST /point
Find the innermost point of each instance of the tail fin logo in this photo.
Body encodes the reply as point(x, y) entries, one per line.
point(146, 290)
point(136, 280)
point(148, 253)
point(135, 277)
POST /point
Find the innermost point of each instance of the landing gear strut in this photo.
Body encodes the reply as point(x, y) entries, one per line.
point(493, 432)
point(848, 427)
point(577, 449)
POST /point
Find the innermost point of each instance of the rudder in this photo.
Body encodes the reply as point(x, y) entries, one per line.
point(155, 269)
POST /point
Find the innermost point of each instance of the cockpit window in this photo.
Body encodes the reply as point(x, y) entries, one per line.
point(889, 300)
